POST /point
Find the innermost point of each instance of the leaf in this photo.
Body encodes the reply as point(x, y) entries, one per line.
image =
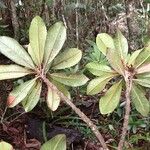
point(98, 69)
point(53, 99)
point(33, 97)
point(14, 51)
point(143, 57)
point(5, 146)
point(37, 38)
point(13, 71)
point(20, 92)
point(98, 84)
point(140, 101)
point(143, 69)
point(133, 57)
point(70, 80)
point(143, 82)
point(67, 59)
point(121, 44)
point(62, 88)
point(110, 100)
point(104, 41)
point(55, 39)
point(115, 61)
point(56, 143)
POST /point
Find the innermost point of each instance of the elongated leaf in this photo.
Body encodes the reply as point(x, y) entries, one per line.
point(20, 92)
point(33, 97)
point(55, 39)
point(53, 99)
point(140, 101)
point(37, 37)
point(61, 88)
point(56, 143)
point(13, 71)
point(142, 81)
point(97, 85)
point(143, 69)
point(14, 51)
point(104, 41)
point(133, 57)
point(115, 61)
point(98, 69)
point(121, 45)
point(5, 146)
point(143, 57)
point(70, 80)
point(110, 100)
point(67, 59)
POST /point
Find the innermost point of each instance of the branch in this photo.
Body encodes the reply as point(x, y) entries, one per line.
point(128, 80)
point(79, 112)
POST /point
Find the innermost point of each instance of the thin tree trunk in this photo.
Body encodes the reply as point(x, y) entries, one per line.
point(78, 111)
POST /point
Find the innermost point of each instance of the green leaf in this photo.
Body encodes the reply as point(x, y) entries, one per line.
point(33, 97)
point(110, 100)
point(140, 101)
point(143, 57)
point(143, 69)
point(121, 45)
point(67, 59)
point(98, 69)
point(133, 57)
point(37, 38)
point(104, 41)
point(53, 99)
point(71, 79)
point(98, 84)
point(14, 51)
point(20, 92)
point(115, 61)
point(13, 71)
point(143, 82)
point(56, 143)
point(5, 146)
point(62, 88)
point(55, 39)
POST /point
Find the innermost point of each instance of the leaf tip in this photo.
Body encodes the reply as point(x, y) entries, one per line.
point(10, 100)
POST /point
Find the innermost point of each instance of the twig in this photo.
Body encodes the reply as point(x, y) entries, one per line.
point(79, 112)
point(128, 80)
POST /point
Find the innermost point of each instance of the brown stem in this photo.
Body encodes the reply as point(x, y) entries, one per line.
point(128, 80)
point(79, 112)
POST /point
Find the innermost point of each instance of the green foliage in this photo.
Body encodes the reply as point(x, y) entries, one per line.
point(5, 146)
point(121, 65)
point(41, 61)
point(56, 143)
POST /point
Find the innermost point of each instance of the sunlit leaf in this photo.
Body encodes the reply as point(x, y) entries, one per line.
point(98, 69)
point(56, 143)
point(142, 81)
point(98, 84)
point(143, 69)
point(20, 92)
point(53, 99)
point(55, 39)
point(13, 71)
point(37, 37)
point(14, 51)
point(33, 97)
point(104, 41)
point(133, 57)
point(115, 61)
point(5, 146)
point(67, 59)
point(70, 80)
point(110, 100)
point(140, 101)
point(143, 57)
point(121, 45)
